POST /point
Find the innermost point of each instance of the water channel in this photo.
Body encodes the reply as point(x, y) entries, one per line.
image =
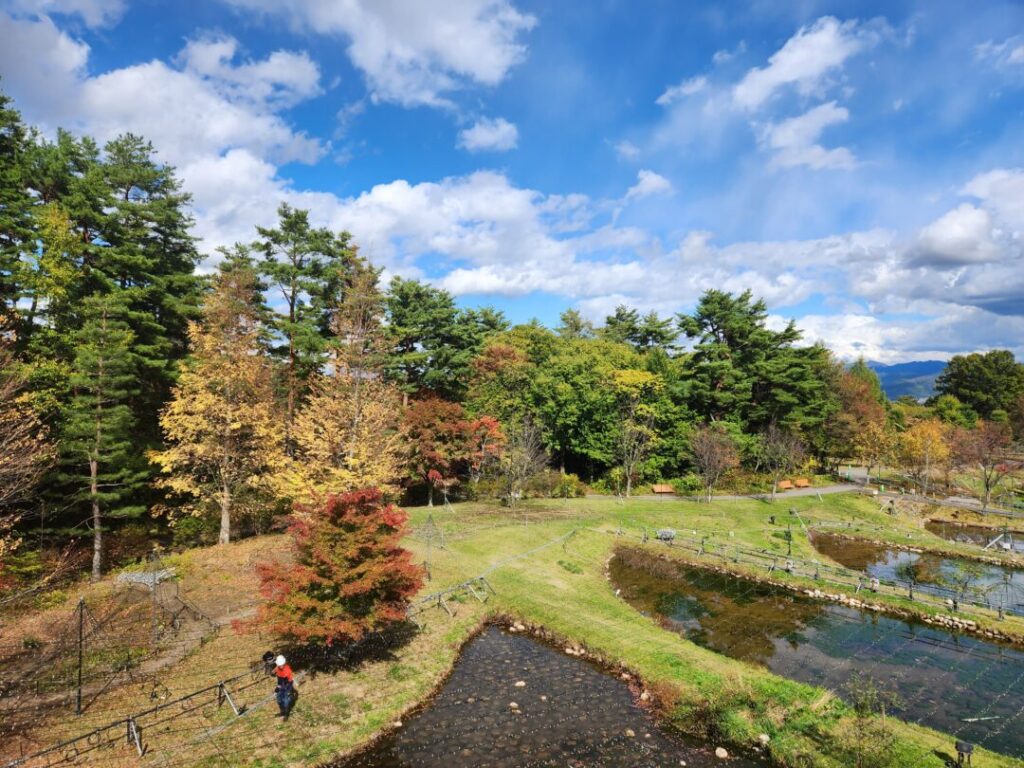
point(567, 713)
point(954, 683)
point(980, 535)
point(945, 576)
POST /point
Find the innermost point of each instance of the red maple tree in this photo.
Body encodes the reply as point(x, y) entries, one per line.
point(350, 575)
point(436, 432)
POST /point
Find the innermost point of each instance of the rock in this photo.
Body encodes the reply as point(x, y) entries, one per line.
point(513, 705)
point(520, 683)
point(645, 696)
point(630, 733)
point(543, 698)
point(721, 754)
point(763, 739)
point(396, 724)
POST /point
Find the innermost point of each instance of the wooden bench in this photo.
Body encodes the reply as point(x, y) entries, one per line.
point(802, 482)
point(785, 485)
point(663, 488)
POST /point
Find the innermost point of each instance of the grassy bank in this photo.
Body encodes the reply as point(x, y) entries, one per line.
point(543, 576)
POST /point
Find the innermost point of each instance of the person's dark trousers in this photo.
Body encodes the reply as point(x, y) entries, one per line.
point(283, 694)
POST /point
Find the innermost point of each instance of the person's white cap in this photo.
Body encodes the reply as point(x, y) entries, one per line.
point(279, 661)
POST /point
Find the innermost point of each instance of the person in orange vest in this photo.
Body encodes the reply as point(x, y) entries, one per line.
point(285, 690)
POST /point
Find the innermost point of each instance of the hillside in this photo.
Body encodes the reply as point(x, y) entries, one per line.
point(916, 378)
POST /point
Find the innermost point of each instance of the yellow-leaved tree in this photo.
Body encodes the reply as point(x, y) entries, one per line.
point(347, 436)
point(224, 439)
point(923, 448)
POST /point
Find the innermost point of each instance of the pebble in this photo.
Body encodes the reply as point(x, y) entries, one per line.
point(763, 739)
point(630, 732)
point(720, 753)
point(520, 684)
point(513, 705)
point(397, 724)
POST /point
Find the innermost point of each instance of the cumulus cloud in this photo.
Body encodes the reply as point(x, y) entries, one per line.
point(805, 61)
point(648, 183)
point(95, 13)
point(281, 80)
point(962, 236)
point(794, 141)
point(414, 53)
point(489, 134)
point(686, 88)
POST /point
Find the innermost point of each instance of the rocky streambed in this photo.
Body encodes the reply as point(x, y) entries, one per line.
point(515, 702)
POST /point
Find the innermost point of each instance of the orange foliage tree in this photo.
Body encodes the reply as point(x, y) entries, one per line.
point(349, 576)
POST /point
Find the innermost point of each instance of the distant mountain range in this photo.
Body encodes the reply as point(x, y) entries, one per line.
point(916, 379)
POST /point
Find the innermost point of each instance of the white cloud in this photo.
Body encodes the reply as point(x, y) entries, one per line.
point(627, 150)
point(414, 53)
point(1009, 52)
point(648, 183)
point(794, 141)
point(686, 88)
point(489, 134)
point(95, 13)
point(282, 80)
point(1002, 190)
point(965, 235)
point(804, 61)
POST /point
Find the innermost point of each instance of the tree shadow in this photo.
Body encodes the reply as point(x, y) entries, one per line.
point(373, 647)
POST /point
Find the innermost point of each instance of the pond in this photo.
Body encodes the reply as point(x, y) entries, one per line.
point(956, 684)
point(945, 576)
point(981, 535)
point(567, 713)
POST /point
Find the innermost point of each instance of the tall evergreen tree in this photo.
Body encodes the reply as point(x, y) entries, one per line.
point(432, 344)
point(306, 268)
point(15, 203)
point(743, 371)
point(99, 457)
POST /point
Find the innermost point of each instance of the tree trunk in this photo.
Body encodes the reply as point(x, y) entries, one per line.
point(405, 399)
point(775, 485)
point(629, 484)
point(225, 516)
point(97, 530)
point(430, 495)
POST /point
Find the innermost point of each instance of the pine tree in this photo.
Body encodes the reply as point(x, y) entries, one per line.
point(223, 435)
point(350, 576)
point(15, 204)
point(98, 454)
point(307, 269)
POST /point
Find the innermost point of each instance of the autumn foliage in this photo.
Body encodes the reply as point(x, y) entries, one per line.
point(349, 576)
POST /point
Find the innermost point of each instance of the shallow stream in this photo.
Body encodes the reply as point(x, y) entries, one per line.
point(954, 683)
point(979, 582)
point(567, 713)
point(981, 535)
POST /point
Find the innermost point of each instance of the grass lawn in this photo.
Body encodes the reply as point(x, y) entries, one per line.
point(544, 581)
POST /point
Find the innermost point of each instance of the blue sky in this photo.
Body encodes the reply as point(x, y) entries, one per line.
point(857, 164)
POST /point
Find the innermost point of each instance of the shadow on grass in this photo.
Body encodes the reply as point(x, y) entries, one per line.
point(373, 647)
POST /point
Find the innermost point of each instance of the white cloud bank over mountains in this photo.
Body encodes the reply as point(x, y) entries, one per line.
point(955, 284)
